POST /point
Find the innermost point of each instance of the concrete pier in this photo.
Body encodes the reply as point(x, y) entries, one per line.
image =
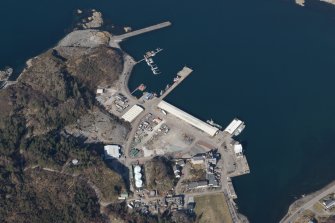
point(2, 84)
point(5, 84)
point(182, 74)
point(141, 31)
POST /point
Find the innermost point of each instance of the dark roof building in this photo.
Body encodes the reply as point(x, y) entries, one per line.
point(212, 181)
point(329, 203)
point(180, 163)
point(198, 184)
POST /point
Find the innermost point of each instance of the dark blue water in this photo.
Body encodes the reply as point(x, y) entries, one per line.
point(268, 62)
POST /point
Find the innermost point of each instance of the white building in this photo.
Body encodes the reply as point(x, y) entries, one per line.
point(238, 149)
point(210, 130)
point(100, 91)
point(132, 113)
point(75, 161)
point(235, 127)
point(112, 151)
point(196, 160)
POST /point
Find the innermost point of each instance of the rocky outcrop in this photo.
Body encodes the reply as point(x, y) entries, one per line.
point(4, 74)
point(59, 85)
point(329, 1)
point(94, 21)
point(300, 2)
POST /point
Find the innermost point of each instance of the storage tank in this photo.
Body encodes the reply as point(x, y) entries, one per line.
point(138, 183)
point(137, 169)
point(138, 176)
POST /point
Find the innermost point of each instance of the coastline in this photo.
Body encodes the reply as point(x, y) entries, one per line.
point(297, 206)
point(318, 17)
point(129, 64)
point(302, 2)
point(78, 37)
point(329, 1)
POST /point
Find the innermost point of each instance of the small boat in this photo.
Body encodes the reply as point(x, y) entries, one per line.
point(153, 53)
point(212, 123)
point(154, 69)
point(147, 60)
point(158, 50)
point(150, 61)
point(167, 87)
point(161, 93)
point(142, 87)
point(156, 72)
point(9, 71)
point(148, 54)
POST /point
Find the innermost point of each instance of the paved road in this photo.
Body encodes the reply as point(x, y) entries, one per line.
point(293, 216)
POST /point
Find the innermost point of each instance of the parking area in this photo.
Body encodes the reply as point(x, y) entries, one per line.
point(114, 102)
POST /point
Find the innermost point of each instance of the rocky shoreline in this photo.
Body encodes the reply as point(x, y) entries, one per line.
point(296, 205)
point(302, 2)
point(85, 58)
point(329, 1)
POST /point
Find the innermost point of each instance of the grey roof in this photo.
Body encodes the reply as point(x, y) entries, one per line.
point(329, 203)
point(198, 158)
point(212, 180)
point(212, 161)
point(174, 199)
point(197, 184)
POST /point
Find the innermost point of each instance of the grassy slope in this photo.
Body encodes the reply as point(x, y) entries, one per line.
point(212, 209)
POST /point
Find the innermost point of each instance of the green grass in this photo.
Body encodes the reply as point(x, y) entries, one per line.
point(212, 209)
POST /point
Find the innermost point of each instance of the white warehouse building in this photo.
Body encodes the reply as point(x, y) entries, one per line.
point(235, 127)
point(132, 113)
point(112, 151)
point(210, 130)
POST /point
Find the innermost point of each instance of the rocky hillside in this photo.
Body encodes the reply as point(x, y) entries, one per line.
point(54, 91)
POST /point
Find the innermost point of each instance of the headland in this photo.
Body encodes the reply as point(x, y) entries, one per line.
point(163, 160)
point(161, 129)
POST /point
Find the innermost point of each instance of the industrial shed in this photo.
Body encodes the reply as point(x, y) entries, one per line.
point(210, 130)
point(238, 149)
point(112, 151)
point(233, 126)
point(132, 113)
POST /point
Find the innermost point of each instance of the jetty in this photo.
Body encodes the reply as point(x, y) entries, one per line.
point(122, 37)
point(5, 84)
point(181, 75)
